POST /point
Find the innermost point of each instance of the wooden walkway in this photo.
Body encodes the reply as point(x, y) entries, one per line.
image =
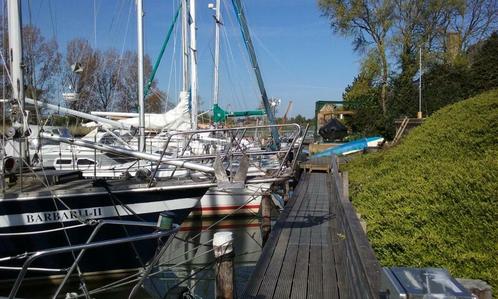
point(315, 250)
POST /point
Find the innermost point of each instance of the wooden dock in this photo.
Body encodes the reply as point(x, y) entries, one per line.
point(317, 248)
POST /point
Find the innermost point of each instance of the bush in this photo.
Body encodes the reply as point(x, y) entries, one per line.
point(432, 201)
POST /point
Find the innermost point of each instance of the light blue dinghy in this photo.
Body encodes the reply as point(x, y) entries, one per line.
point(350, 147)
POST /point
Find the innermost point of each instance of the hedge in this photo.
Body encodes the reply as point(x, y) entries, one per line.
point(432, 201)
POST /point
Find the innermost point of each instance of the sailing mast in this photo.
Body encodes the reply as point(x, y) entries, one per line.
point(185, 80)
point(15, 50)
point(16, 71)
point(217, 21)
point(252, 55)
point(140, 53)
point(193, 65)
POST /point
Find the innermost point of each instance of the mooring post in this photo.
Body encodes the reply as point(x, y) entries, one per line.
point(265, 216)
point(286, 191)
point(223, 252)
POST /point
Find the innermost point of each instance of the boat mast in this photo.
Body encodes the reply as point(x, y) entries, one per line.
point(193, 65)
point(140, 52)
point(254, 62)
point(185, 80)
point(15, 51)
point(16, 71)
point(216, 52)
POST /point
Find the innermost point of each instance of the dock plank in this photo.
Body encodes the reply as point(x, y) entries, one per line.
point(317, 248)
point(273, 271)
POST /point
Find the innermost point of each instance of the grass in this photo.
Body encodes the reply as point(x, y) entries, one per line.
point(432, 201)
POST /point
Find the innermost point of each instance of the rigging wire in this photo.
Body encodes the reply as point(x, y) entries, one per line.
point(66, 236)
point(53, 19)
point(115, 17)
point(127, 28)
point(95, 24)
point(235, 63)
point(235, 84)
point(3, 153)
point(243, 57)
point(136, 276)
point(173, 65)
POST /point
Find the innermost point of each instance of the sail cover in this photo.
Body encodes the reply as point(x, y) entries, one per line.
point(177, 118)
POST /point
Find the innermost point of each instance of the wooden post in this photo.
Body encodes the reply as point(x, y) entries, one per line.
point(345, 185)
point(223, 252)
point(265, 216)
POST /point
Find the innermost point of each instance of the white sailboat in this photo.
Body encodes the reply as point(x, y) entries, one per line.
point(216, 201)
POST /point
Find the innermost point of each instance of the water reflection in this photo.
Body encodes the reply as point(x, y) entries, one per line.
point(188, 264)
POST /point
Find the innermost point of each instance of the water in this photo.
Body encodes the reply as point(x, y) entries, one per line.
point(186, 266)
point(189, 260)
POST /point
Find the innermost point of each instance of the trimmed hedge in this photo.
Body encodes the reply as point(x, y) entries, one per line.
point(432, 201)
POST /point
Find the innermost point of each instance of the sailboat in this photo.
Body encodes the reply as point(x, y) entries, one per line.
point(216, 201)
point(43, 209)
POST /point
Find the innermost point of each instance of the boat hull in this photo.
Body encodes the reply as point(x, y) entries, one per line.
point(218, 202)
point(30, 225)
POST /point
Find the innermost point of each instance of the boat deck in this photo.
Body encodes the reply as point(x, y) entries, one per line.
point(63, 182)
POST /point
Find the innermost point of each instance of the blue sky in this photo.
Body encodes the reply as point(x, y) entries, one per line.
point(300, 58)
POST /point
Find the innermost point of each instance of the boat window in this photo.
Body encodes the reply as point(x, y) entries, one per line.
point(85, 162)
point(108, 139)
point(63, 161)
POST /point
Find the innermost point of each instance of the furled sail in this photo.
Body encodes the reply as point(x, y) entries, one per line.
point(177, 118)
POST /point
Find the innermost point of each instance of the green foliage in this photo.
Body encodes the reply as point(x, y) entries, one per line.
point(442, 84)
point(362, 98)
point(445, 84)
point(432, 201)
point(484, 71)
point(298, 119)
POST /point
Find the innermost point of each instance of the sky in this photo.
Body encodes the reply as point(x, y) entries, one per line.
point(299, 56)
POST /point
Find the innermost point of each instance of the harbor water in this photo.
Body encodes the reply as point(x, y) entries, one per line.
point(186, 267)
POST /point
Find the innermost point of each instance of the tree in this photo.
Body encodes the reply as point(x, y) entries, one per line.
point(79, 52)
point(128, 86)
point(472, 21)
point(107, 79)
point(154, 102)
point(368, 22)
point(41, 64)
point(361, 97)
point(483, 57)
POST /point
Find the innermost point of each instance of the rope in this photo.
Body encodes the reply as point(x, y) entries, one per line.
point(163, 48)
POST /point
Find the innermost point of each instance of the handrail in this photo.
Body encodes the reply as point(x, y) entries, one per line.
point(362, 267)
point(90, 239)
point(290, 147)
point(59, 250)
point(295, 134)
point(296, 126)
point(300, 146)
